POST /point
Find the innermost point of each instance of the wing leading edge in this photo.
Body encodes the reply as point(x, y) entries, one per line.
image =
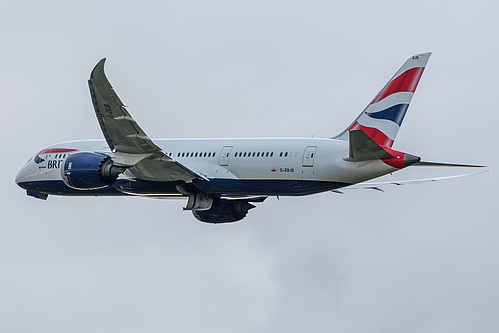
point(133, 148)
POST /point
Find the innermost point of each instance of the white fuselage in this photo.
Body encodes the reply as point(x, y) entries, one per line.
point(256, 166)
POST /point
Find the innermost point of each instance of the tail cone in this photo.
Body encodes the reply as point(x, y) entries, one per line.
point(411, 159)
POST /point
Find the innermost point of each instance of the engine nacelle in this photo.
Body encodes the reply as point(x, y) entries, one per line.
point(89, 171)
point(224, 211)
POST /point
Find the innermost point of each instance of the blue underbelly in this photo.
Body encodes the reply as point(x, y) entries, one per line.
point(282, 187)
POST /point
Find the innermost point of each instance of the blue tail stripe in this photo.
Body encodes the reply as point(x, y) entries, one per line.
point(394, 113)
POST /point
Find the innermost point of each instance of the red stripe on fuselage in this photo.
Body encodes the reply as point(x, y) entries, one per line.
point(56, 150)
point(405, 82)
point(379, 137)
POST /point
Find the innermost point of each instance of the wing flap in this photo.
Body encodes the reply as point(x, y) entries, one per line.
point(162, 168)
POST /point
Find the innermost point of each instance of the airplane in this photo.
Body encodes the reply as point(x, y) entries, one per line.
point(222, 178)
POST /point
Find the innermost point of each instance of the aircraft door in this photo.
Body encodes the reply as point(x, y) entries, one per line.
point(224, 156)
point(309, 156)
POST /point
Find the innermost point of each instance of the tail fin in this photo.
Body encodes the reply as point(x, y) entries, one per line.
point(382, 118)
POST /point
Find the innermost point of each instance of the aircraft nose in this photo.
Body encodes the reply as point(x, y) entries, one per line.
point(26, 172)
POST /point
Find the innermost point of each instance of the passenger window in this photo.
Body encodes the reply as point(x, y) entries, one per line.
point(286, 154)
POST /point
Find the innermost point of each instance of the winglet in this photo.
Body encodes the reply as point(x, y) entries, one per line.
point(98, 68)
point(98, 75)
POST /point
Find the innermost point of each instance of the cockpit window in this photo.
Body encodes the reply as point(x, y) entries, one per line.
point(38, 159)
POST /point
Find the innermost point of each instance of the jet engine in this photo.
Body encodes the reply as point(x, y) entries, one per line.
point(224, 211)
point(89, 171)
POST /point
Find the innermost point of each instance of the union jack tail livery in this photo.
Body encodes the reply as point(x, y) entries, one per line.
point(382, 118)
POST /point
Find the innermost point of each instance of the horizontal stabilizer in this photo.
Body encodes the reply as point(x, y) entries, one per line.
point(363, 148)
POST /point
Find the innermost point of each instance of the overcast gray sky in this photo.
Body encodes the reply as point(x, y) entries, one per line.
point(419, 258)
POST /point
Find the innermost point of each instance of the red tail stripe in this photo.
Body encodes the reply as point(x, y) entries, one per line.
point(379, 137)
point(405, 82)
point(397, 161)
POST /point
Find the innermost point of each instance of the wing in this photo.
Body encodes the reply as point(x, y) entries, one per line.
point(121, 131)
point(440, 164)
point(380, 186)
point(132, 147)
